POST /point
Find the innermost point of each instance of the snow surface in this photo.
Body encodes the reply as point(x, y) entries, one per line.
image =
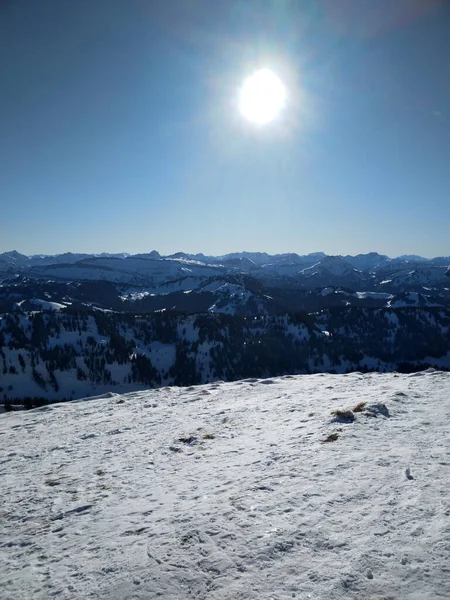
point(229, 491)
point(374, 295)
point(47, 305)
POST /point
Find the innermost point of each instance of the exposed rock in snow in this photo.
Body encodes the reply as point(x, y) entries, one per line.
point(377, 408)
point(343, 416)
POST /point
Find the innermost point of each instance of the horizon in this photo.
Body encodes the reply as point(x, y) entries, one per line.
point(126, 254)
point(208, 126)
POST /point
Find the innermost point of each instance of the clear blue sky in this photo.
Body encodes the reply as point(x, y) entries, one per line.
point(119, 129)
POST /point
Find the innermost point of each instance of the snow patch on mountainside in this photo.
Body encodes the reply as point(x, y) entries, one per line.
point(374, 295)
point(47, 305)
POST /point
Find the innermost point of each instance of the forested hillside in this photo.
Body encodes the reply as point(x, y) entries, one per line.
point(68, 354)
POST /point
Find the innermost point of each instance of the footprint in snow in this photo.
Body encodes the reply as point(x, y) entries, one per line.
point(88, 436)
point(79, 510)
point(408, 474)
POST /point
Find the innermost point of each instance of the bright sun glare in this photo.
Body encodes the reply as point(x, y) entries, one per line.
point(262, 97)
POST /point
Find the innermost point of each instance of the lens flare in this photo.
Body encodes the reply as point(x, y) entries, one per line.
point(262, 97)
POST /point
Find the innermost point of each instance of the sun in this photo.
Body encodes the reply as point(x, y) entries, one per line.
point(262, 97)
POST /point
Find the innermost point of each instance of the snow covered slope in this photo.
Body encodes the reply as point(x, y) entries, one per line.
point(145, 271)
point(334, 270)
point(231, 491)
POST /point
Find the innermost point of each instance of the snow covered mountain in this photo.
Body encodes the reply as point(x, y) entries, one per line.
point(254, 489)
point(131, 270)
point(267, 283)
point(13, 261)
point(429, 275)
point(334, 270)
point(367, 262)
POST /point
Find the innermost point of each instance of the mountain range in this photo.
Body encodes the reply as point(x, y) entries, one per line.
point(236, 283)
point(74, 325)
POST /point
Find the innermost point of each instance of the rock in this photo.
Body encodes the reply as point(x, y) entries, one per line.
point(376, 409)
point(342, 416)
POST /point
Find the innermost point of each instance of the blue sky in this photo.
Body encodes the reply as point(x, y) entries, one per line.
point(119, 129)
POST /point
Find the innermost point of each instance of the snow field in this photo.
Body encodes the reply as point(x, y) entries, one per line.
point(230, 491)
